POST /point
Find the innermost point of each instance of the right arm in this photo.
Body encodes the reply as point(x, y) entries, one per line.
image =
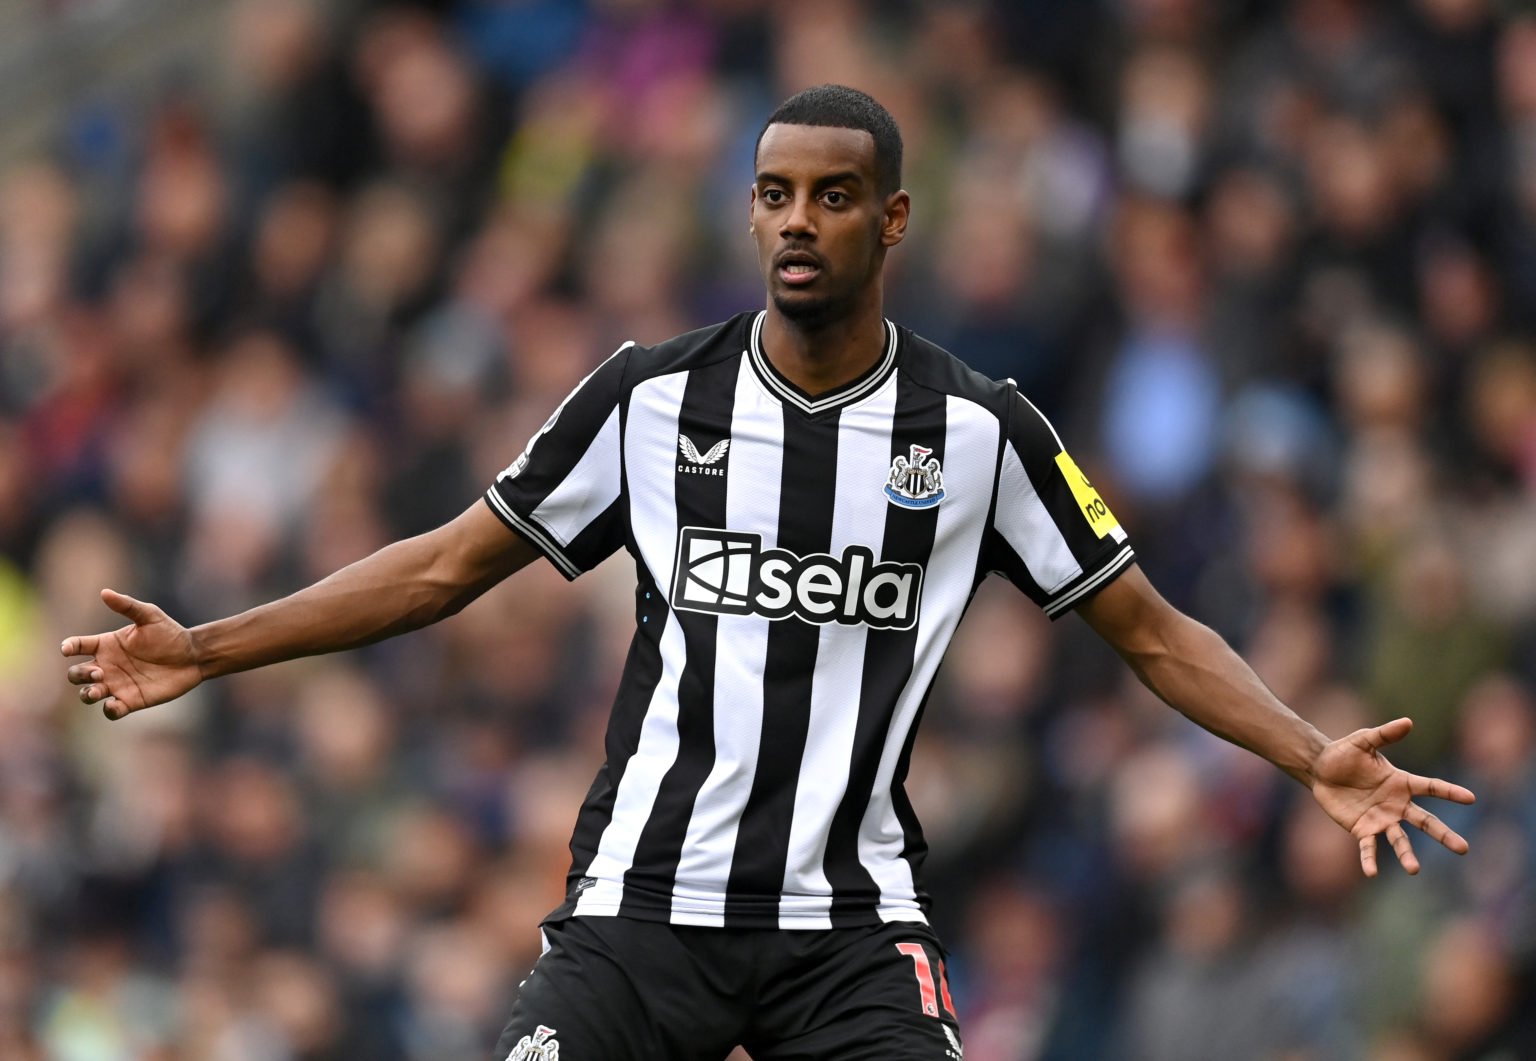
point(404, 586)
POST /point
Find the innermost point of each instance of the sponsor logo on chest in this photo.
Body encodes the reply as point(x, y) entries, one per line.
point(730, 573)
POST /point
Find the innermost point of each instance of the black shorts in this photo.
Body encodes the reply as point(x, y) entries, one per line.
point(618, 989)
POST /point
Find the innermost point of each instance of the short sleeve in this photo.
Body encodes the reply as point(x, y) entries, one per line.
point(563, 493)
point(1052, 535)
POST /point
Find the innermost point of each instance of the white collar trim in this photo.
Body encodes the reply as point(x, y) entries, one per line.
point(784, 391)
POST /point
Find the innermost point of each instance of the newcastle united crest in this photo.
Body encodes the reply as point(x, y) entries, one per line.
point(540, 1046)
point(916, 481)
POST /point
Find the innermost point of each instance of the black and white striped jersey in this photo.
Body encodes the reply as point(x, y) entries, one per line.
point(802, 563)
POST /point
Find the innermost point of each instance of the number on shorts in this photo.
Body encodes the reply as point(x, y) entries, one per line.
point(927, 995)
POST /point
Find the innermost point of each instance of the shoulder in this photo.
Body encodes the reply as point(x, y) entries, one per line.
point(929, 365)
point(690, 350)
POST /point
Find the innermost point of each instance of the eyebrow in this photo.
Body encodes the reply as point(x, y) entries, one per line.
point(848, 176)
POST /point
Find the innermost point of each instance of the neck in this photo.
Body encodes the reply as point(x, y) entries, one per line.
point(822, 356)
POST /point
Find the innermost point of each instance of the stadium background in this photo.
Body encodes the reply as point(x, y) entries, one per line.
point(282, 281)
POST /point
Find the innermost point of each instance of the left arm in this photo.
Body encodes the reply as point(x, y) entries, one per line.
point(1194, 671)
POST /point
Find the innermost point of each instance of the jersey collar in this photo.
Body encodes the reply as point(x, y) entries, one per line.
point(785, 391)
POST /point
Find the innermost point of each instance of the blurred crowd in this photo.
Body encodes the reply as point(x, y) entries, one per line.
point(1269, 265)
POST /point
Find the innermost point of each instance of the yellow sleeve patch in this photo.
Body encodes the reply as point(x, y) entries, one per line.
point(1089, 503)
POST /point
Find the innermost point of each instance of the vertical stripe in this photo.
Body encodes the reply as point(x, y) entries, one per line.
point(1036, 449)
point(907, 537)
point(1026, 525)
point(890, 842)
point(863, 461)
point(642, 673)
point(756, 460)
point(573, 459)
point(590, 487)
point(807, 488)
point(705, 417)
point(650, 441)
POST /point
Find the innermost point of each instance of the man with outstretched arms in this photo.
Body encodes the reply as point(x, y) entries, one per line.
point(810, 494)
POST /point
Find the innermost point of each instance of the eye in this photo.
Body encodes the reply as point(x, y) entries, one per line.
point(835, 198)
point(774, 196)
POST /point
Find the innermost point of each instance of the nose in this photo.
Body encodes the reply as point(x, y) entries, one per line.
point(798, 222)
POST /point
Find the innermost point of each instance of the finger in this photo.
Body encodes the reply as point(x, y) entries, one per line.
point(111, 706)
point(1402, 848)
point(1368, 855)
point(1436, 829)
point(1434, 786)
point(83, 645)
point(81, 673)
point(1387, 733)
point(124, 605)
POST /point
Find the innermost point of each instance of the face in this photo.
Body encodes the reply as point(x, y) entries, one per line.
point(821, 224)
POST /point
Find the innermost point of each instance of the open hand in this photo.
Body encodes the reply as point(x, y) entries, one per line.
point(147, 662)
point(1367, 795)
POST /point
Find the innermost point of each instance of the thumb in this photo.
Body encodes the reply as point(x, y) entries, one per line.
point(1387, 733)
point(139, 612)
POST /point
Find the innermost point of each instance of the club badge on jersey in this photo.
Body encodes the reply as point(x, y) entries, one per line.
point(540, 1046)
point(916, 481)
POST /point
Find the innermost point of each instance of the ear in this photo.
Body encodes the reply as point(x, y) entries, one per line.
point(893, 225)
point(751, 208)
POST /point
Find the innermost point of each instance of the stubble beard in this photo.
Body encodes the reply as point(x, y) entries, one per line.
point(811, 312)
point(806, 312)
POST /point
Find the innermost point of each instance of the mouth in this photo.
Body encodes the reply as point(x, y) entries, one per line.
point(797, 268)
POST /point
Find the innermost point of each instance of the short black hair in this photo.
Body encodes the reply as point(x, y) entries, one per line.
point(841, 107)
